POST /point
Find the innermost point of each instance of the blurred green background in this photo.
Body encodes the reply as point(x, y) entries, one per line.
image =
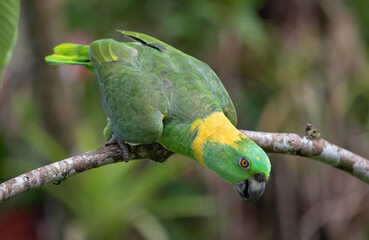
point(284, 62)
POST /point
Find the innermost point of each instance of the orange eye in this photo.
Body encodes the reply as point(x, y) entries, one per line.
point(244, 163)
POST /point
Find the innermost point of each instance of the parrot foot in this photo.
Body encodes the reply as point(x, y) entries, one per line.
point(122, 145)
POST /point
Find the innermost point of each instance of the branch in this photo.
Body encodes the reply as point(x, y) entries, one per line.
point(61, 170)
point(318, 149)
point(308, 146)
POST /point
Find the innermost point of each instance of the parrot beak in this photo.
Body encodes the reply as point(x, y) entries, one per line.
point(251, 189)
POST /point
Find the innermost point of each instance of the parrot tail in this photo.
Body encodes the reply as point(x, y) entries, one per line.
point(71, 54)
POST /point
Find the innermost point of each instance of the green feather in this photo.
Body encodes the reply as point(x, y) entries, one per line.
point(71, 54)
point(153, 92)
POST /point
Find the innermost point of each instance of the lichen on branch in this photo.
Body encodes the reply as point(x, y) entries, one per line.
point(309, 146)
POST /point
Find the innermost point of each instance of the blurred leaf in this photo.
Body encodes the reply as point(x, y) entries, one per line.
point(360, 8)
point(249, 25)
point(120, 194)
point(43, 142)
point(190, 206)
point(149, 226)
point(9, 15)
point(33, 133)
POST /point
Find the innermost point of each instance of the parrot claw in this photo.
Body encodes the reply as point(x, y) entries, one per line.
point(122, 145)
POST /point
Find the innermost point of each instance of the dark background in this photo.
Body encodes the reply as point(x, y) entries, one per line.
point(284, 62)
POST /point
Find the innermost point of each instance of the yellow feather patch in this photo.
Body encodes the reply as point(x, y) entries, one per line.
point(215, 128)
point(112, 54)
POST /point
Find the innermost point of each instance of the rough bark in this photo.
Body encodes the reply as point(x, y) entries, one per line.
point(287, 143)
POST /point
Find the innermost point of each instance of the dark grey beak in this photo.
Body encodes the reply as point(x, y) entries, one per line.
point(251, 189)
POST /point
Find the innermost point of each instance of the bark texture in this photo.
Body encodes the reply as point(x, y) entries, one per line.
point(286, 143)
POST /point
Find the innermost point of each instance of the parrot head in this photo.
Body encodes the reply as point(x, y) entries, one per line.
point(220, 146)
point(244, 165)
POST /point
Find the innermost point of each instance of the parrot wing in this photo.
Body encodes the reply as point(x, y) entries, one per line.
point(200, 71)
point(132, 97)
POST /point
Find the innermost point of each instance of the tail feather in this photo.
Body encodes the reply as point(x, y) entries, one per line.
point(71, 54)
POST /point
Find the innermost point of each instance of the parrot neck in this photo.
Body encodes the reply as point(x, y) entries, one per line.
point(216, 128)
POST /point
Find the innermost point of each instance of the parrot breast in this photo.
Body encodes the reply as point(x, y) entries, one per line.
point(215, 128)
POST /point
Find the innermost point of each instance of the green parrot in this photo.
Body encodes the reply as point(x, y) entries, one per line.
point(153, 92)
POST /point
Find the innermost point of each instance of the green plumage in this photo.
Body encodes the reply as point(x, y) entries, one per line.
point(71, 54)
point(153, 92)
point(145, 88)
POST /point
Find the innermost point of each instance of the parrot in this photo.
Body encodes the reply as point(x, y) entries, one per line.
point(153, 92)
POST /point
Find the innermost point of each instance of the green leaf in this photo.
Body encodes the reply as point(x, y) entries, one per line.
point(9, 15)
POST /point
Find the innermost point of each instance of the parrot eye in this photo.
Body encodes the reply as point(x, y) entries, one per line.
point(244, 163)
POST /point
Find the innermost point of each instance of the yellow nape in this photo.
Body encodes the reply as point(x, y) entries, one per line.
point(215, 128)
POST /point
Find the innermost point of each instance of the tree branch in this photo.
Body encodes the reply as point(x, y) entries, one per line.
point(318, 149)
point(57, 171)
point(288, 143)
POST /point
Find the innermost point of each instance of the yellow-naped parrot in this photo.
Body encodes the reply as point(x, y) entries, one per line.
point(153, 92)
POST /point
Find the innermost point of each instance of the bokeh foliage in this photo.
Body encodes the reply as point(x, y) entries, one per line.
point(9, 14)
point(285, 63)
